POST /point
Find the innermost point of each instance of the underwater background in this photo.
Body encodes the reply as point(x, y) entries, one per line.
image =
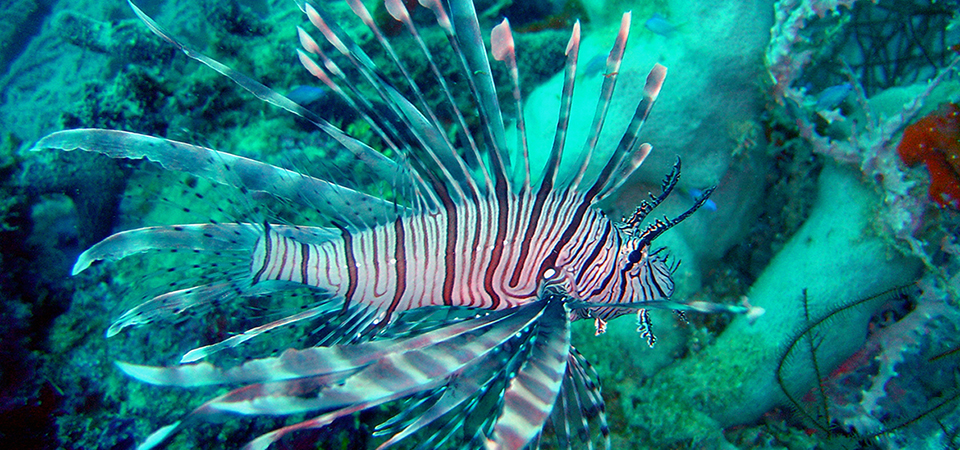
point(828, 127)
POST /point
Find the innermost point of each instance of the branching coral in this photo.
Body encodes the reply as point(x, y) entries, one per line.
point(895, 42)
point(855, 133)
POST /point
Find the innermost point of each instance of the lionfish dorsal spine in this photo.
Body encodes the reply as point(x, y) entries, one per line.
point(431, 135)
point(421, 122)
point(397, 9)
point(382, 166)
point(502, 48)
point(606, 93)
point(550, 169)
point(629, 163)
point(626, 158)
point(477, 70)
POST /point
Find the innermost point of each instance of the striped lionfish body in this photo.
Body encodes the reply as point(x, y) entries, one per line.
point(456, 298)
point(491, 255)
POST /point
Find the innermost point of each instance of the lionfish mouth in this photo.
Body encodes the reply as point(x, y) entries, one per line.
point(455, 294)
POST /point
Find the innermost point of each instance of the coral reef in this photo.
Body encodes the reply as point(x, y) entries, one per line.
point(895, 239)
point(733, 381)
point(870, 394)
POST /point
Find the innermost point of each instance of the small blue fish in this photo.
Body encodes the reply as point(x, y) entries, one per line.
point(305, 95)
point(659, 24)
point(709, 205)
point(319, 99)
point(833, 96)
point(595, 65)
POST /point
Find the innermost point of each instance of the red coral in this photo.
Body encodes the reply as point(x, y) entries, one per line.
point(935, 140)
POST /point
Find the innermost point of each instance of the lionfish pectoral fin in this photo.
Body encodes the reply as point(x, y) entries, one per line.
point(351, 377)
point(160, 436)
point(410, 372)
point(460, 393)
point(580, 410)
point(457, 401)
point(531, 394)
point(327, 198)
point(199, 237)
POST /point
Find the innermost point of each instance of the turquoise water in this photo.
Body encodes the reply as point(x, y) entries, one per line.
point(793, 113)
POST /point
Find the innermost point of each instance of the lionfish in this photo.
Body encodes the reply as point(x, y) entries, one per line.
point(456, 299)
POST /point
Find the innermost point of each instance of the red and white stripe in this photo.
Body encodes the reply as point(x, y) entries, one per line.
point(459, 257)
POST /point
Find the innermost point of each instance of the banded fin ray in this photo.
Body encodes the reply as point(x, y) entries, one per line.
point(433, 152)
point(552, 166)
point(309, 362)
point(431, 141)
point(231, 237)
point(398, 10)
point(460, 399)
point(327, 198)
point(582, 410)
point(502, 47)
point(465, 32)
point(630, 153)
point(435, 141)
point(373, 160)
point(606, 93)
point(423, 197)
point(335, 382)
point(531, 393)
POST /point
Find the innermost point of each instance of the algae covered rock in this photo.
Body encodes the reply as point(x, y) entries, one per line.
point(837, 256)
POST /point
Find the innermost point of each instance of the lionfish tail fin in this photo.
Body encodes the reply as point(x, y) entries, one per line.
point(218, 238)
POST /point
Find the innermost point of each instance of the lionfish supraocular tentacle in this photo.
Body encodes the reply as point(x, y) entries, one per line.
point(506, 264)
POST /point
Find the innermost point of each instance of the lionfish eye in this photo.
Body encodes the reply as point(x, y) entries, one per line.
point(634, 256)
